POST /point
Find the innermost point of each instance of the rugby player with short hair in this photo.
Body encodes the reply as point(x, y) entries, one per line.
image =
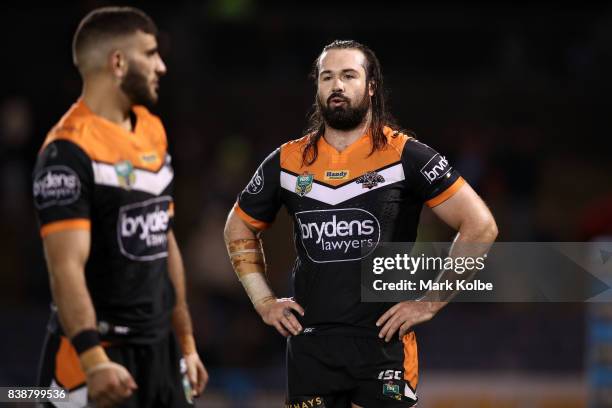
point(120, 331)
point(353, 181)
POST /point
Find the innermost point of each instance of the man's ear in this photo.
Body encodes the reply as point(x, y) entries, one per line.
point(118, 63)
point(371, 87)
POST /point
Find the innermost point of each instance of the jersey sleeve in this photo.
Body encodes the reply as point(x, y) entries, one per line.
point(61, 188)
point(260, 201)
point(429, 174)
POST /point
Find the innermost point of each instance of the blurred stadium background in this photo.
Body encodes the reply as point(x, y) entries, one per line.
point(516, 95)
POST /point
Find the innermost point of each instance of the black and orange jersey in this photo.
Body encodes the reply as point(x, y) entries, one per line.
point(343, 206)
point(92, 174)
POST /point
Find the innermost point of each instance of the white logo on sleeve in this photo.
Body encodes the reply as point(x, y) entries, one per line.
point(257, 182)
point(435, 168)
point(56, 185)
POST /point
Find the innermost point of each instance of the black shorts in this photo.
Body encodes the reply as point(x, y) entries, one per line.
point(158, 369)
point(332, 371)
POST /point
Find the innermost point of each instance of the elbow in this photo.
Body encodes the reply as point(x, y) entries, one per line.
point(488, 230)
point(483, 229)
point(493, 230)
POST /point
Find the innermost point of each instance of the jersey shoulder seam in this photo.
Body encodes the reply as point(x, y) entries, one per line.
point(70, 129)
point(393, 142)
point(291, 147)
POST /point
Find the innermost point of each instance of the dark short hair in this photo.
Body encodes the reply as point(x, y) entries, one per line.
point(109, 22)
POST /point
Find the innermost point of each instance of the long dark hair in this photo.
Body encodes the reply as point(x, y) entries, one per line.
point(380, 117)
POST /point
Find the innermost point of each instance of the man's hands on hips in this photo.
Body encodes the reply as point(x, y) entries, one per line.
point(108, 384)
point(277, 312)
point(405, 315)
point(196, 372)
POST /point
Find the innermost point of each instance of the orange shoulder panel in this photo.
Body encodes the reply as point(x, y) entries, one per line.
point(336, 168)
point(72, 126)
point(291, 154)
point(104, 141)
point(396, 139)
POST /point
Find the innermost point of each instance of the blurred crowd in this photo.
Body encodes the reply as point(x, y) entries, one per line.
point(516, 97)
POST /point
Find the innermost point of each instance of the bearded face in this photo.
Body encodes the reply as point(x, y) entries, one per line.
point(339, 112)
point(343, 90)
point(138, 88)
point(144, 69)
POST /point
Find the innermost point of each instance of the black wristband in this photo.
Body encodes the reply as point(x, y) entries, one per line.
point(85, 339)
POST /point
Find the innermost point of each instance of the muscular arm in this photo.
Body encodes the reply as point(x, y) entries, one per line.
point(235, 229)
point(66, 253)
point(468, 214)
point(476, 227)
point(476, 231)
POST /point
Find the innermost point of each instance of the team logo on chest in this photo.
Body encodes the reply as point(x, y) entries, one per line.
point(303, 184)
point(125, 174)
point(370, 180)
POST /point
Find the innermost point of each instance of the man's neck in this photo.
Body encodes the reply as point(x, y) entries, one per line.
point(104, 100)
point(341, 139)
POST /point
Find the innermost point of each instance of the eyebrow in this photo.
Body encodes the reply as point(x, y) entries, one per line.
point(153, 50)
point(329, 71)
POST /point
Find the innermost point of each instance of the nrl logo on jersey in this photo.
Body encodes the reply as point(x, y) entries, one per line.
point(125, 174)
point(303, 184)
point(370, 180)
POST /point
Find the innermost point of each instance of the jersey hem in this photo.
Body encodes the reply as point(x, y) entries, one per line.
point(63, 225)
point(255, 223)
point(446, 194)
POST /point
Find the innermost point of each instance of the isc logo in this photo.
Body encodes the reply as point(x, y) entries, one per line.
point(435, 168)
point(390, 375)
